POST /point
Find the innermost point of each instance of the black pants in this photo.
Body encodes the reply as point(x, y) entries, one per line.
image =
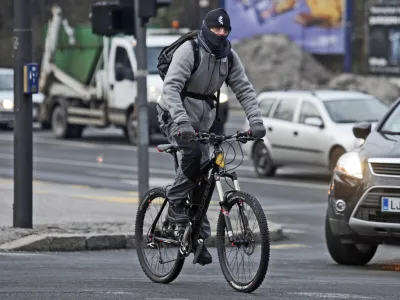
point(193, 155)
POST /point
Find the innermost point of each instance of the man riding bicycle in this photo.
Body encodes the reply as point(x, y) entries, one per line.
point(181, 113)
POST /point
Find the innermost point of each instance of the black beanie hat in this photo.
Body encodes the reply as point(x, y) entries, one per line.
point(218, 18)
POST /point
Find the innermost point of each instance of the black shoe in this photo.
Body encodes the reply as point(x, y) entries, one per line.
point(205, 257)
point(177, 214)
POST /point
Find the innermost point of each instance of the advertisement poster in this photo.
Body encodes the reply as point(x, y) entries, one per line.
point(384, 39)
point(315, 25)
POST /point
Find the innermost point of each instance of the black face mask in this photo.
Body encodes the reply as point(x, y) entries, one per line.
point(217, 44)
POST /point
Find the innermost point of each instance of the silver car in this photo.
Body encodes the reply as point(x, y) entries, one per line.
point(7, 99)
point(310, 127)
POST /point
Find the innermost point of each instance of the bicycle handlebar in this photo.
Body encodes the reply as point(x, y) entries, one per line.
point(240, 136)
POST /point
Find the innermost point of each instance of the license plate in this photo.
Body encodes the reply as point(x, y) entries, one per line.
point(390, 204)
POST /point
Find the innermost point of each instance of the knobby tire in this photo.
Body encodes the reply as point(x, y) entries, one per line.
point(177, 267)
point(257, 280)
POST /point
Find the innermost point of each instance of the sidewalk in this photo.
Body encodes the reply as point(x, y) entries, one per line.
point(76, 218)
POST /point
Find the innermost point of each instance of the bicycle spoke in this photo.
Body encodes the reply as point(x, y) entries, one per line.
point(162, 252)
point(243, 269)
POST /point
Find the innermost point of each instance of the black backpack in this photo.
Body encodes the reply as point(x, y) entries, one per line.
point(165, 58)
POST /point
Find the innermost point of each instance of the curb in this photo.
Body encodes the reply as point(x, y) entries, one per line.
point(91, 242)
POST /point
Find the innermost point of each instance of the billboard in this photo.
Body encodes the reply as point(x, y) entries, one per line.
point(315, 25)
point(384, 38)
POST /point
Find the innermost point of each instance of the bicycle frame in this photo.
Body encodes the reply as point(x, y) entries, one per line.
point(208, 182)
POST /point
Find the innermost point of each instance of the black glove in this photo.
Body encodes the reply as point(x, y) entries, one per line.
point(258, 130)
point(186, 131)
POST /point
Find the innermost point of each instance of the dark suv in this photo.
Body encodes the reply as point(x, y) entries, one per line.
point(364, 195)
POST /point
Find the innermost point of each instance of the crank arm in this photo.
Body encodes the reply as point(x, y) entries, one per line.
point(167, 241)
point(198, 250)
point(172, 260)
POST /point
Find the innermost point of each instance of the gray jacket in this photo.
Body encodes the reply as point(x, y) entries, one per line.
point(207, 80)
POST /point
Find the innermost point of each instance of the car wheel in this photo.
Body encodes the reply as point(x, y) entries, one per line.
point(336, 153)
point(347, 254)
point(263, 164)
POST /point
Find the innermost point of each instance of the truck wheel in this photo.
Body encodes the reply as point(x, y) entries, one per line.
point(60, 126)
point(131, 129)
point(347, 254)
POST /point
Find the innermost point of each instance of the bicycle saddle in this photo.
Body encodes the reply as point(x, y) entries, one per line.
point(166, 148)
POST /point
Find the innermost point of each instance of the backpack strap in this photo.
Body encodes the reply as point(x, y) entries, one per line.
point(230, 64)
point(196, 53)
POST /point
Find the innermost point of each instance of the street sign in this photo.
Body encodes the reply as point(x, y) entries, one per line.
point(31, 78)
point(384, 38)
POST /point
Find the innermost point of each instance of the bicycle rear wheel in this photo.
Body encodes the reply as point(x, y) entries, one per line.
point(160, 261)
point(244, 274)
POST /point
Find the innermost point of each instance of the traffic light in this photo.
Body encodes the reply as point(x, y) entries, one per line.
point(117, 16)
point(148, 8)
point(114, 17)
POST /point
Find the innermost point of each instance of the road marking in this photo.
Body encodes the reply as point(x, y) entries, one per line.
point(288, 246)
point(330, 295)
point(89, 145)
point(288, 230)
point(164, 171)
point(21, 254)
point(115, 199)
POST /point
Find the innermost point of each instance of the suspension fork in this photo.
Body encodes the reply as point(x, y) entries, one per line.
point(241, 207)
point(224, 209)
point(222, 202)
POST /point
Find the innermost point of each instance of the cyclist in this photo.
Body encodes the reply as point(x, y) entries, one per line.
point(181, 114)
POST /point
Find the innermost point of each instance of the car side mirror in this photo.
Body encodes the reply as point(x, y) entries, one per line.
point(314, 121)
point(362, 129)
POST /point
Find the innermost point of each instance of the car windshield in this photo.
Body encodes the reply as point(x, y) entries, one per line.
point(6, 82)
point(392, 124)
point(152, 59)
point(355, 110)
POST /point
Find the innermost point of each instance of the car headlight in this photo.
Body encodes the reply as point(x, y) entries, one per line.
point(350, 165)
point(7, 104)
point(154, 94)
point(223, 98)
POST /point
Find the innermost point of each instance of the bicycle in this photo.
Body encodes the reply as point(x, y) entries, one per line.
point(163, 235)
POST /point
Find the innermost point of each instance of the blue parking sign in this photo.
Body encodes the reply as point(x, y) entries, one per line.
point(31, 78)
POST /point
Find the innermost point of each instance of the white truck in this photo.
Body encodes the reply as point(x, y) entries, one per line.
point(89, 80)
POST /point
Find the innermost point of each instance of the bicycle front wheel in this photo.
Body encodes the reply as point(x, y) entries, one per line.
point(244, 263)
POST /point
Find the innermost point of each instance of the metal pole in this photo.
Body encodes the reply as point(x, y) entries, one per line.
point(142, 105)
point(348, 29)
point(22, 46)
point(204, 5)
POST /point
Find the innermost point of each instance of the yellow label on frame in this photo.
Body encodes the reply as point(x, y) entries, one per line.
point(220, 160)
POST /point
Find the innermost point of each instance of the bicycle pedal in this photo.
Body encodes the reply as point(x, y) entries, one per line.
point(197, 252)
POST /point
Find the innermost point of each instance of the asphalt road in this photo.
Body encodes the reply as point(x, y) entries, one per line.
point(295, 198)
point(300, 267)
point(296, 272)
